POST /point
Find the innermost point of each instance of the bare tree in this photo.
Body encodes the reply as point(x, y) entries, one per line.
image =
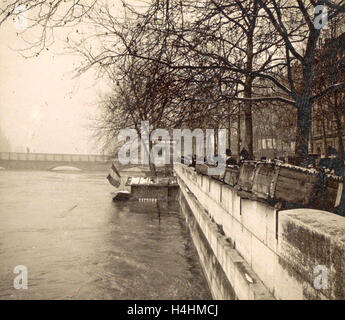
point(143, 91)
point(228, 40)
point(295, 22)
point(329, 70)
point(214, 51)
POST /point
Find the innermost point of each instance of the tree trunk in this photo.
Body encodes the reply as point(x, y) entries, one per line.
point(304, 111)
point(304, 104)
point(303, 100)
point(147, 151)
point(152, 166)
point(239, 132)
point(339, 128)
point(324, 137)
point(248, 121)
point(248, 83)
point(216, 142)
point(229, 134)
point(340, 140)
point(311, 138)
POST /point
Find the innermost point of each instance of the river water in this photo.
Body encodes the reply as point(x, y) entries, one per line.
point(78, 244)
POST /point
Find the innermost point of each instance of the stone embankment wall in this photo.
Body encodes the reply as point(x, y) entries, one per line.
point(251, 250)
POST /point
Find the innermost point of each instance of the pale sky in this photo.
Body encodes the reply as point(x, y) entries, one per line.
point(41, 106)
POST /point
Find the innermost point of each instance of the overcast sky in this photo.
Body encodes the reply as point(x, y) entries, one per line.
point(41, 106)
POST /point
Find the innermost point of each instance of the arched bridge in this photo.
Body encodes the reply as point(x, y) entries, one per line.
point(50, 161)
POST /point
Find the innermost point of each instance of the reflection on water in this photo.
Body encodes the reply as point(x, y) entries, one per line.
point(78, 244)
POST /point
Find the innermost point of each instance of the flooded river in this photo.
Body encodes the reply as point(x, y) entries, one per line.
point(77, 244)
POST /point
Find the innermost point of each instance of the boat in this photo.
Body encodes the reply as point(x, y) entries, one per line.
point(123, 195)
point(142, 188)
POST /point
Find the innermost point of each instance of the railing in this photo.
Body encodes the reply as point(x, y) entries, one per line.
point(53, 157)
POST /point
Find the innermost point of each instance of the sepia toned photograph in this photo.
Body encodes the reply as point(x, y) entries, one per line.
point(172, 153)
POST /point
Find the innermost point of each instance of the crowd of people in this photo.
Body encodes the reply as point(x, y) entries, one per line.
point(331, 164)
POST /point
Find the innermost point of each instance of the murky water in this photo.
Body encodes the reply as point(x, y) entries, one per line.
point(77, 244)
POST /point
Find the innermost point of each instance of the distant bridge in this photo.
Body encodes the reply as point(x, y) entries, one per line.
point(50, 161)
